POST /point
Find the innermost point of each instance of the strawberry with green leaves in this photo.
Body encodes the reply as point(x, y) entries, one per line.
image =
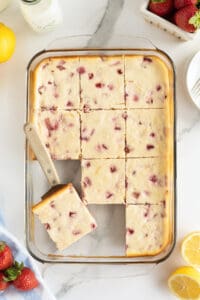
point(6, 257)
point(22, 278)
point(26, 280)
point(188, 18)
point(161, 7)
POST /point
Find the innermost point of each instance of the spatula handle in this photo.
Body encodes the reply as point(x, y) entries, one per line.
point(42, 154)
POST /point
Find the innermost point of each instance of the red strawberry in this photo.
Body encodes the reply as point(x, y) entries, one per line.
point(161, 7)
point(23, 278)
point(3, 284)
point(181, 3)
point(26, 280)
point(6, 258)
point(188, 18)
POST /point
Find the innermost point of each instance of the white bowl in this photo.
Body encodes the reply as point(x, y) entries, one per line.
point(166, 25)
point(192, 75)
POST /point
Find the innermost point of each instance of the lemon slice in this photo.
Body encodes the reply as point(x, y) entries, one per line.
point(190, 249)
point(185, 283)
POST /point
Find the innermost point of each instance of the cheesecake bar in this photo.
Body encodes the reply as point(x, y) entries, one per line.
point(147, 229)
point(102, 82)
point(60, 132)
point(103, 134)
point(146, 133)
point(146, 180)
point(103, 181)
point(146, 82)
point(56, 84)
point(64, 216)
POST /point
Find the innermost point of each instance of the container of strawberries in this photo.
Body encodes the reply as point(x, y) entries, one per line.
point(179, 17)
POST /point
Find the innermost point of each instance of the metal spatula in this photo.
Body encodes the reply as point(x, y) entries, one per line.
point(43, 157)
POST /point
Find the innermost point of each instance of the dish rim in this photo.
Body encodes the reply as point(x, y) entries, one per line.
point(94, 259)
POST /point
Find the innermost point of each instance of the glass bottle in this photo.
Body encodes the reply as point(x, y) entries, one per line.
point(41, 15)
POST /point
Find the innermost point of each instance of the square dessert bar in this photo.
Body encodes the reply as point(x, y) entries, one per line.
point(103, 181)
point(146, 132)
point(146, 180)
point(103, 134)
point(64, 216)
point(102, 82)
point(146, 82)
point(60, 132)
point(56, 84)
point(147, 229)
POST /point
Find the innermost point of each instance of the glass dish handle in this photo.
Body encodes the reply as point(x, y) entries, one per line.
point(88, 42)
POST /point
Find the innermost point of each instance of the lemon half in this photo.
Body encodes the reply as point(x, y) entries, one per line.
point(190, 249)
point(185, 283)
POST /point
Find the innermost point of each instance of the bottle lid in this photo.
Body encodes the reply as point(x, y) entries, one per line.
point(31, 1)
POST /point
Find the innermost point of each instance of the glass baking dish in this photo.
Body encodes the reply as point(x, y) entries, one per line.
point(106, 244)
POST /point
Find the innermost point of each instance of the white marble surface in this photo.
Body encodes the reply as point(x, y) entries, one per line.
point(101, 19)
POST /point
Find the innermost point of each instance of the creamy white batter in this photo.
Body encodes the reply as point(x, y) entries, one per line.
point(102, 82)
point(60, 132)
point(146, 82)
point(146, 229)
point(103, 181)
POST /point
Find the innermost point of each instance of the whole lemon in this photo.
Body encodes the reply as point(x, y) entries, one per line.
point(7, 43)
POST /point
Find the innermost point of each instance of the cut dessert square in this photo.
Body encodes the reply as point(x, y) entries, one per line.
point(147, 230)
point(64, 216)
point(146, 180)
point(56, 84)
point(103, 134)
point(146, 82)
point(147, 132)
point(60, 132)
point(103, 181)
point(102, 82)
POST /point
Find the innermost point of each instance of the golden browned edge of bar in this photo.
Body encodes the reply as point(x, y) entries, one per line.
point(49, 196)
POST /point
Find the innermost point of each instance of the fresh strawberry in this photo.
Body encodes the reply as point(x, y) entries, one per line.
point(3, 283)
point(26, 280)
point(6, 257)
point(23, 278)
point(161, 7)
point(181, 3)
point(188, 18)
